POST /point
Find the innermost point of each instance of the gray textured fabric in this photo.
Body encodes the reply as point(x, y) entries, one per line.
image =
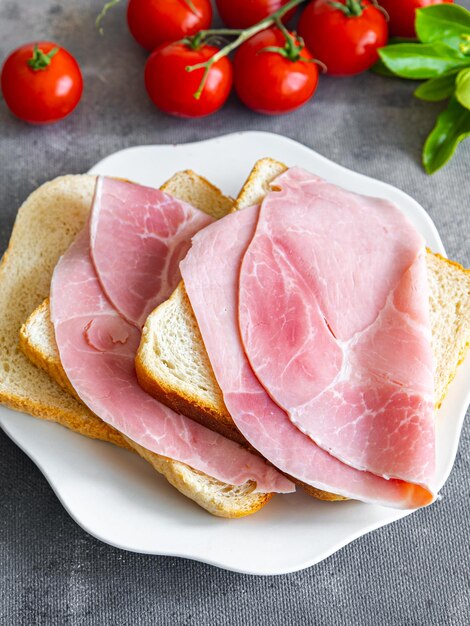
point(414, 572)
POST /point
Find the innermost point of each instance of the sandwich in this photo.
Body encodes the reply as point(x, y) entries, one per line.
point(199, 330)
point(199, 358)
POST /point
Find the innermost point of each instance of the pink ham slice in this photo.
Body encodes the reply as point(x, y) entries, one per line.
point(138, 237)
point(97, 349)
point(334, 320)
point(210, 272)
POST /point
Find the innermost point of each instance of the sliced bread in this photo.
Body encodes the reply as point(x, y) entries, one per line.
point(45, 226)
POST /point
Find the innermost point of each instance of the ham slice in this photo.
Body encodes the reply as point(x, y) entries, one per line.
point(138, 237)
point(97, 349)
point(334, 319)
point(211, 272)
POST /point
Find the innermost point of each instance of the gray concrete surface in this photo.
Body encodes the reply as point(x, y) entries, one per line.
point(415, 572)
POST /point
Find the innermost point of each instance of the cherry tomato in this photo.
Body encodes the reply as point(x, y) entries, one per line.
point(344, 41)
point(270, 83)
point(402, 14)
point(172, 88)
point(41, 82)
point(153, 22)
point(245, 13)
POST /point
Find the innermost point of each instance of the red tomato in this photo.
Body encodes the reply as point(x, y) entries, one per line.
point(346, 44)
point(268, 82)
point(245, 13)
point(172, 88)
point(153, 22)
point(402, 14)
point(39, 85)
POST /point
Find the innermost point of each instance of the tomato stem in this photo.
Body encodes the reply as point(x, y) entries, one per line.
point(291, 49)
point(196, 41)
point(380, 8)
point(351, 8)
point(243, 35)
point(40, 60)
point(104, 10)
point(191, 6)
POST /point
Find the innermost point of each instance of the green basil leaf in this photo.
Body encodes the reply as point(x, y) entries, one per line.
point(381, 69)
point(420, 60)
point(452, 127)
point(442, 22)
point(438, 88)
point(379, 66)
point(462, 91)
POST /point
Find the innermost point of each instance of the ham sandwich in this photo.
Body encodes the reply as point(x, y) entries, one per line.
point(313, 307)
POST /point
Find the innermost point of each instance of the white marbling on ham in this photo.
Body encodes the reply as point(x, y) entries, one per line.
point(97, 349)
point(138, 237)
point(211, 275)
point(334, 319)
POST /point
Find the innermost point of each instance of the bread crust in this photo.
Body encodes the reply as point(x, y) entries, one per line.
point(94, 427)
point(182, 403)
point(250, 193)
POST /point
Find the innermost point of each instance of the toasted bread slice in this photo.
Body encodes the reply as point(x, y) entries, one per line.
point(172, 363)
point(44, 228)
point(198, 192)
point(258, 183)
point(46, 225)
point(449, 301)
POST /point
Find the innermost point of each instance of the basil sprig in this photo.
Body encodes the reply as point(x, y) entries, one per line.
point(442, 59)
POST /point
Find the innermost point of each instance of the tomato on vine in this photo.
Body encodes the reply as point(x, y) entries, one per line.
point(274, 72)
point(177, 91)
point(41, 82)
point(245, 13)
point(153, 22)
point(402, 14)
point(344, 34)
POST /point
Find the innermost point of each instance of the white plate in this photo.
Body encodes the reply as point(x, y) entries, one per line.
point(118, 498)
